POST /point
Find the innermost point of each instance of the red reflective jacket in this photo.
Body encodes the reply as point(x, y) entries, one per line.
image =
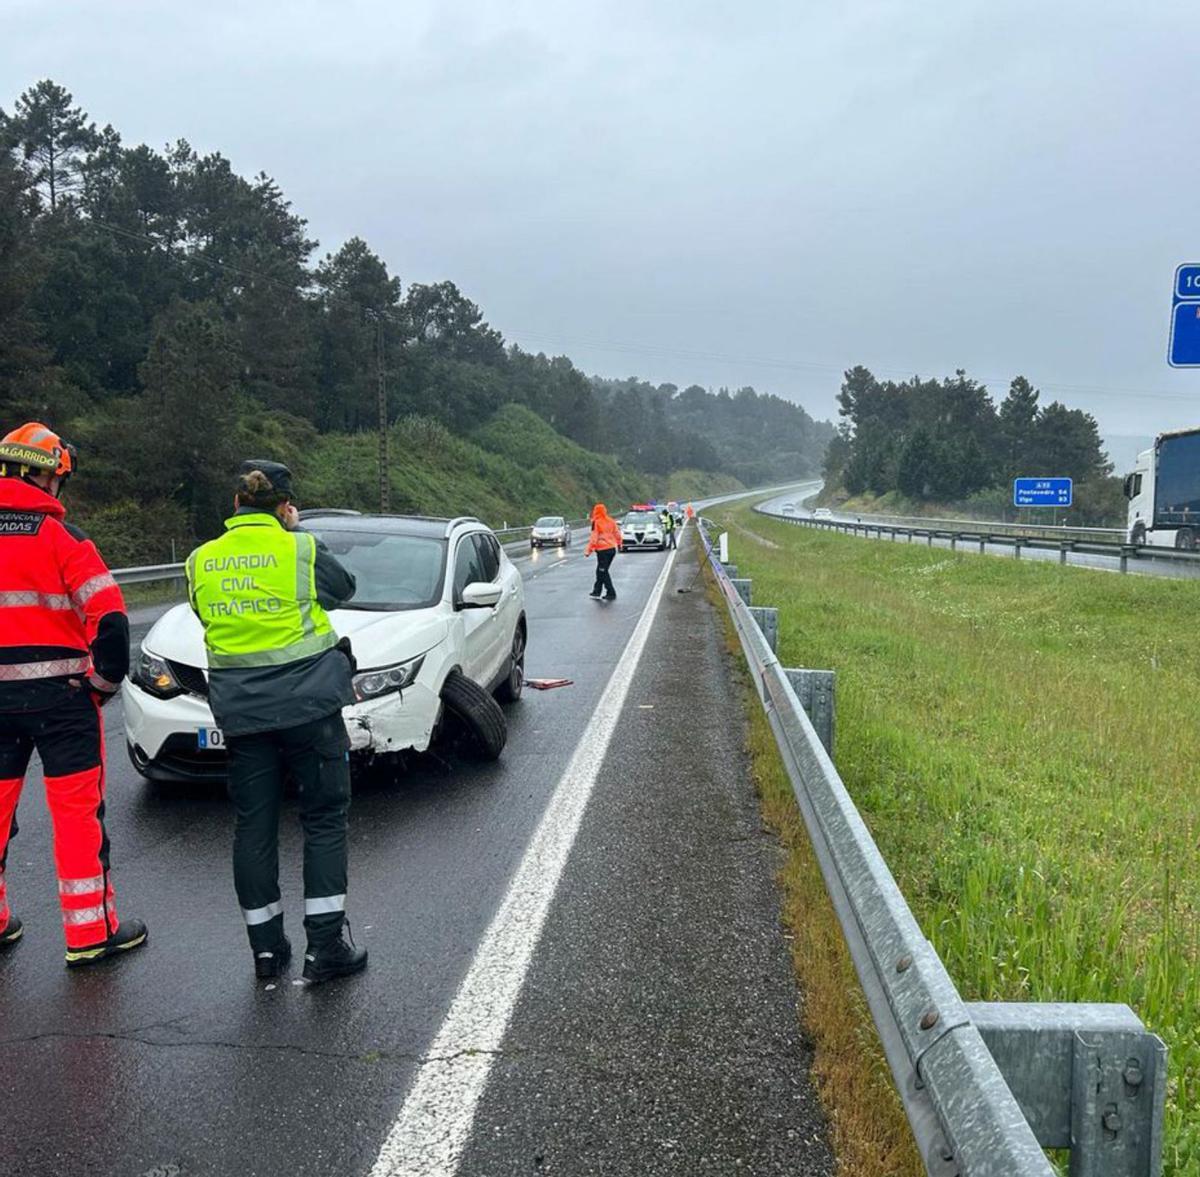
point(61, 613)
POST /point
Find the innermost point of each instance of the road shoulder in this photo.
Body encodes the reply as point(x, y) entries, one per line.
point(658, 1031)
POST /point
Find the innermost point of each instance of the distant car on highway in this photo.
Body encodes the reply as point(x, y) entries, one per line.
point(822, 513)
point(438, 627)
point(642, 530)
point(789, 508)
point(550, 531)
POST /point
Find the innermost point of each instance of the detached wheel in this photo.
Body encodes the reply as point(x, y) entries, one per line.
point(509, 691)
point(476, 714)
point(1138, 536)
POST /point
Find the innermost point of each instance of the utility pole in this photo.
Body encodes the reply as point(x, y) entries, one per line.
point(381, 394)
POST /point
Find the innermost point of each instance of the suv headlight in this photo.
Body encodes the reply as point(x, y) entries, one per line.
point(154, 674)
point(370, 684)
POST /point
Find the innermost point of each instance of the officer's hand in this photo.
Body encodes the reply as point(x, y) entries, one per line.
point(291, 517)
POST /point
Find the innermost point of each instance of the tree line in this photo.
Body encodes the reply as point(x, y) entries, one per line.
point(946, 441)
point(169, 312)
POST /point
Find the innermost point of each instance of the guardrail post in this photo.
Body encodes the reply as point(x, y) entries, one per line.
point(1126, 551)
point(1017, 550)
point(742, 587)
point(929, 537)
point(768, 622)
point(1087, 1076)
point(816, 691)
point(982, 544)
point(954, 541)
point(1063, 549)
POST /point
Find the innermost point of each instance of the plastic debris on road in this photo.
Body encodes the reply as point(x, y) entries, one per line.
point(548, 684)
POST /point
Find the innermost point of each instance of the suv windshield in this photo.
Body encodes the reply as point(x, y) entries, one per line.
point(392, 571)
point(640, 518)
point(549, 521)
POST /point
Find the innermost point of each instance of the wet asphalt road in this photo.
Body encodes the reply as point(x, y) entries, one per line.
point(174, 1062)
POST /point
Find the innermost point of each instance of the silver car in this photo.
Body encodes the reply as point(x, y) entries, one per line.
point(550, 531)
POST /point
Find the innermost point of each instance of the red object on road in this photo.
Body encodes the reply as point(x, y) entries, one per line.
point(547, 684)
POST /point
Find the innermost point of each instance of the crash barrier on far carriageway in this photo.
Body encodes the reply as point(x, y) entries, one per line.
point(1000, 534)
point(986, 1086)
point(172, 573)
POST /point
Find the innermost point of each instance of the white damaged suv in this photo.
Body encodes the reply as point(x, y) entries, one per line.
point(438, 629)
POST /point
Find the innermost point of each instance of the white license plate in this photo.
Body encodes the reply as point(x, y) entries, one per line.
point(210, 739)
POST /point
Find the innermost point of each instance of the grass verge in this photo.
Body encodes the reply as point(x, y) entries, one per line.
point(1020, 739)
point(868, 1130)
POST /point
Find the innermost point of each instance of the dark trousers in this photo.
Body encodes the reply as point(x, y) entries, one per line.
point(671, 538)
point(604, 558)
point(317, 757)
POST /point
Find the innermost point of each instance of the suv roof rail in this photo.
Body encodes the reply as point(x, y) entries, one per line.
point(451, 524)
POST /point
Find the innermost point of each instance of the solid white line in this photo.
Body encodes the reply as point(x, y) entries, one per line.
point(434, 1124)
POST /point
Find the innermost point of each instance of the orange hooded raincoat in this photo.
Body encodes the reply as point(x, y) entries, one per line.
point(605, 532)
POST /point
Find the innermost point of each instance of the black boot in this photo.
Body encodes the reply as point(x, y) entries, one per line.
point(272, 962)
point(11, 932)
point(130, 934)
point(335, 958)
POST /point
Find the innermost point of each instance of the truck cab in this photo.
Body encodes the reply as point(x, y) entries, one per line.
point(1163, 490)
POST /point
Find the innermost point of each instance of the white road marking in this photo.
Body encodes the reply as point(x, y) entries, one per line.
point(434, 1124)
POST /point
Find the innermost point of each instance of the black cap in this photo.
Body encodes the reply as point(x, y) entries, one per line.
point(279, 476)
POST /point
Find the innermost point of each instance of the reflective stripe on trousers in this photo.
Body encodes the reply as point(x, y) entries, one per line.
point(326, 905)
point(80, 886)
point(262, 915)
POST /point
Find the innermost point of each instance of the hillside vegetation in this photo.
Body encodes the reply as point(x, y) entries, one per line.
point(511, 471)
point(1020, 739)
point(176, 317)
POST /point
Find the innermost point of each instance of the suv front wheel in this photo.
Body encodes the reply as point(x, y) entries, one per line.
point(476, 714)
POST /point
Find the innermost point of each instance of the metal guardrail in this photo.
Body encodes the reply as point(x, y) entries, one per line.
point(986, 1087)
point(985, 534)
point(1039, 530)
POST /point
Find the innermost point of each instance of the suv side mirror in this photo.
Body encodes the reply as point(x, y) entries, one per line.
point(480, 595)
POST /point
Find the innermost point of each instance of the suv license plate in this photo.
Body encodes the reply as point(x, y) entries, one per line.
point(210, 739)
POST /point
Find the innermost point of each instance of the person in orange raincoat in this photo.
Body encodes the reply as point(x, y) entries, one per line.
point(605, 541)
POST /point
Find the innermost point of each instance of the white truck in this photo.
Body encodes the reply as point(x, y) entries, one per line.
point(1164, 492)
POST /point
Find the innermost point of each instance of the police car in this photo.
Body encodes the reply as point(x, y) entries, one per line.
point(642, 529)
point(438, 627)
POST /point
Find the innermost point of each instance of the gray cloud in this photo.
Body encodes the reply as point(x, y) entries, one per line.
point(760, 193)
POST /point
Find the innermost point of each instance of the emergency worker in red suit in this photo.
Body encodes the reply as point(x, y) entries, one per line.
point(64, 649)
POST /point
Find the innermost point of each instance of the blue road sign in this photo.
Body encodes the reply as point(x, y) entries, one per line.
point(1184, 348)
point(1042, 492)
point(1187, 281)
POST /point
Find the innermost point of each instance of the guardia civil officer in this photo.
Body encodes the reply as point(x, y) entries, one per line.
point(668, 526)
point(278, 680)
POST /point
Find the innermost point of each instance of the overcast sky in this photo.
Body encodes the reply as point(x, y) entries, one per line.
point(717, 193)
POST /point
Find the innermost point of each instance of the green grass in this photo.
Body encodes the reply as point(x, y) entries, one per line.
point(1021, 740)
